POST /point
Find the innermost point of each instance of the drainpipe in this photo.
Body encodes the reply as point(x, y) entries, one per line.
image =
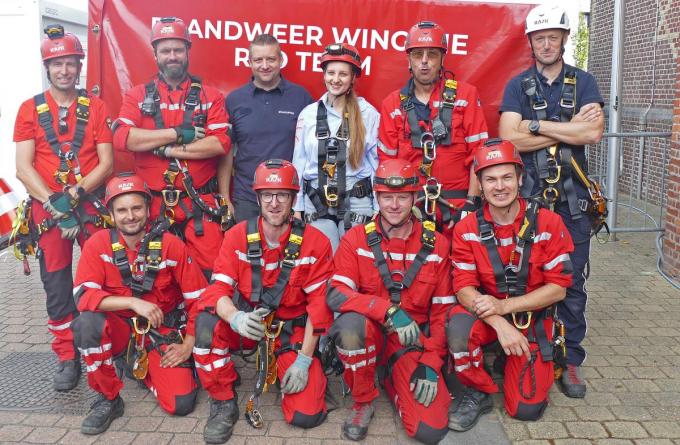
point(615, 89)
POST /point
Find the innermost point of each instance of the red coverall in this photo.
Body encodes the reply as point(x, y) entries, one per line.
point(101, 336)
point(151, 167)
point(56, 253)
point(304, 295)
point(452, 164)
point(549, 262)
point(358, 293)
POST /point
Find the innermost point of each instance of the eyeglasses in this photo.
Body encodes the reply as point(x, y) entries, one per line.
point(281, 197)
point(430, 53)
point(63, 125)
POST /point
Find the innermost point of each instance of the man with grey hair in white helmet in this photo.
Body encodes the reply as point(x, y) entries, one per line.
point(550, 112)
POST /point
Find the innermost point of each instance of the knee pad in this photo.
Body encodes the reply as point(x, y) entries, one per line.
point(349, 331)
point(185, 404)
point(530, 411)
point(428, 435)
point(306, 420)
point(87, 329)
point(458, 329)
point(205, 327)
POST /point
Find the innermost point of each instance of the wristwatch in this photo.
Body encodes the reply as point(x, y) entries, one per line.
point(535, 127)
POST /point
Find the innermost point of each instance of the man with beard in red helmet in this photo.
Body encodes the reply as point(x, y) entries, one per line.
point(392, 289)
point(177, 129)
point(136, 287)
point(270, 278)
point(63, 156)
point(511, 266)
point(436, 123)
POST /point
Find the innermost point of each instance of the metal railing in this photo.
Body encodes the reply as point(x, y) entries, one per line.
point(632, 192)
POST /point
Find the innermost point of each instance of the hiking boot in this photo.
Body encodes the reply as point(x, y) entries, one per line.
point(573, 384)
point(356, 425)
point(223, 417)
point(102, 412)
point(472, 405)
point(67, 375)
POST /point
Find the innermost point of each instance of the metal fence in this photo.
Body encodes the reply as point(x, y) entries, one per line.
point(638, 198)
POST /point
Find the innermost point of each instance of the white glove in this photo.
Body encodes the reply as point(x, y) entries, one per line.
point(295, 378)
point(249, 324)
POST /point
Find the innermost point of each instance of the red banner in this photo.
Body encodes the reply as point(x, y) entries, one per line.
point(486, 42)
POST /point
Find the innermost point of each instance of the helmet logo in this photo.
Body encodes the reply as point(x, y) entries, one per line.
point(274, 177)
point(496, 154)
point(541, 21)
point(168, 29)
point(57, 49)
point(125, 186)
point(425, 39)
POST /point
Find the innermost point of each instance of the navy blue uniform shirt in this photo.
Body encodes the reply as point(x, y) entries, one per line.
point(516, 101)
point(263, 127)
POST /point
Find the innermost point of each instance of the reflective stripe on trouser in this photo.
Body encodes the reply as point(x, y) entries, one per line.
point(203, 249)
point(362, 345)
point(572, 310)
point(467, 335)
point(333, 231)
point(101, 336)
point(55, 258)
point(214, 340)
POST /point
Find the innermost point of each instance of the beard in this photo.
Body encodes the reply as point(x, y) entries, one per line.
point(135, 231)
point(174, 72)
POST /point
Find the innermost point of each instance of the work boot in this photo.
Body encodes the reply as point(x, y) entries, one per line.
point(67, 375)
point(472, 405)
point(573, 384)
point(223, 417)
point(356, 425)
point(102, 413)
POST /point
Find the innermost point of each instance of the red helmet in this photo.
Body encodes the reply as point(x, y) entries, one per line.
point(496, 151)
point(59, 43)
point(170, 28)
point(276, 174)
point(342, 52)
point(426, 34)
point(125, 183)
point(396, 175)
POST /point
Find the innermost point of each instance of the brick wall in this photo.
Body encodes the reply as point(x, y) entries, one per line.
point(671, 245)
point(643, 175)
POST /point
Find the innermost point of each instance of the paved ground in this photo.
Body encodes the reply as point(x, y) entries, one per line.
point(633, 374)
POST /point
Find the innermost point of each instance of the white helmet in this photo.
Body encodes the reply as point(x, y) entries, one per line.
point(546, 17)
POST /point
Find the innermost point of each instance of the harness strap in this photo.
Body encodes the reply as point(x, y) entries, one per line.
point(374, 241)
point(441, 123)
point(270, 297)
point(149, 258)
point(68, 161)
point(331, 161)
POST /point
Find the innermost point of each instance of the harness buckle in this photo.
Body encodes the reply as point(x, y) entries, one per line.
point(323, 134)
point(170, 197)
point(429, 147)
point(566, 103)
point(433, 190)
point(139, 330)
point(331, 196)
point(540, 104)
point(522, 320)
point(329, 169)
point(397, 285)
point(61, 176)
point(550, 194)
